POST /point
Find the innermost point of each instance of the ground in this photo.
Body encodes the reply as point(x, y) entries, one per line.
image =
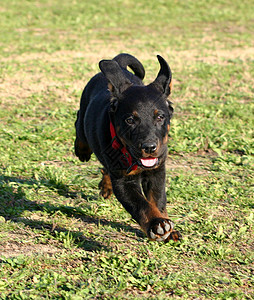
point(58, 238)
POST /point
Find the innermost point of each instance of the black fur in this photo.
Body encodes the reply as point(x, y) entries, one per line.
point(141, 117)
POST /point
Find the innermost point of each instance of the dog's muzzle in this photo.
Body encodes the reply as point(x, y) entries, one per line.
point(149, 147)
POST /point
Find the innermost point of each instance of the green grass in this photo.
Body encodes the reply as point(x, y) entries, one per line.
point(58, 238)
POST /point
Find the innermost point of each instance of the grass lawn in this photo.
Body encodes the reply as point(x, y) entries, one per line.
point(58, 238)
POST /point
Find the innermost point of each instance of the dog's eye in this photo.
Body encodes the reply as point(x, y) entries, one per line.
point(130, 121)
point(160, 118)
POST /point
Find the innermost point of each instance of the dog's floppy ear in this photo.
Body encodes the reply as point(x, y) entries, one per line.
point(118, 82)
point(164, 77)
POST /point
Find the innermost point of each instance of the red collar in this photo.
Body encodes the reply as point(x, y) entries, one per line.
point(117, 145)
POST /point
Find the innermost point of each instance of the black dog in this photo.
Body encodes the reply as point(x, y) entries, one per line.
point(126, 124)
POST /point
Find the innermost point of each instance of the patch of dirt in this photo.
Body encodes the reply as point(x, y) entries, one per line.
point(214, 56)
point(198, 165)
point(96, 51)
point(93, 52)
point(21, 85)
point(25, 83)
point(14, 245)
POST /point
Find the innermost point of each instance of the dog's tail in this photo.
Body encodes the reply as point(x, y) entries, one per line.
point(126, 60)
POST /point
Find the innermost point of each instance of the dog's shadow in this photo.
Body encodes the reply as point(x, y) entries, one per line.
point(14, 203)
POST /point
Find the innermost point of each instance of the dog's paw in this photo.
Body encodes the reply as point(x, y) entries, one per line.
point(82, 150)
point(161, 230)
point(105, 192)
point(105, 185)
point(175, 236)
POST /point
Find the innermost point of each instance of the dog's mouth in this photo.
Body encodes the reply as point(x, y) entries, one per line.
point(144, 162)
point(149, 162)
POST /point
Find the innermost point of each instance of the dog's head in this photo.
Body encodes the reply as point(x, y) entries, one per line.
point(141, 114)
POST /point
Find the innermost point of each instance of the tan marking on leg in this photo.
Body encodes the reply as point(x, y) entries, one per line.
point(151, 213)
point(105, 185)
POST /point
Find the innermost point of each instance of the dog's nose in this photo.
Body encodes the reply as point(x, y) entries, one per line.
point(149, 148)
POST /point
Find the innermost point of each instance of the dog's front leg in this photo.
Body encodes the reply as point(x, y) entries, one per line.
point(153, 184)
point(153, 222)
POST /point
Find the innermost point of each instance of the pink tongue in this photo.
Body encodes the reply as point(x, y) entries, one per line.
point(149, 162)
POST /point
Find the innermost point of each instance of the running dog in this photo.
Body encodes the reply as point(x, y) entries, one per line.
point(125, 124)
